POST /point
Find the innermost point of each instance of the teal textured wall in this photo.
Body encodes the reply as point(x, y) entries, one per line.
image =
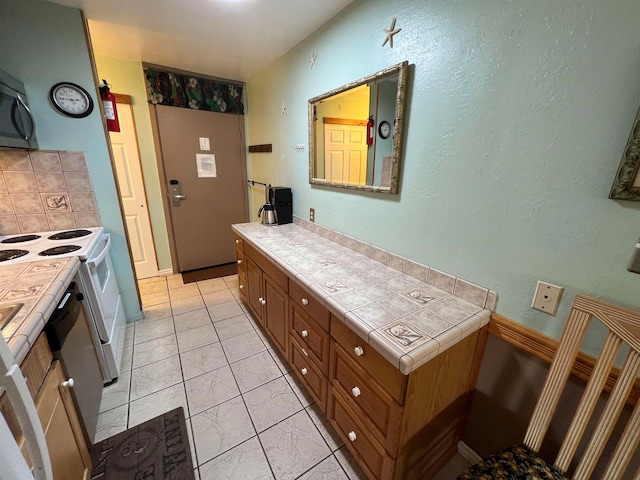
point(518, 114)
point(43, 44)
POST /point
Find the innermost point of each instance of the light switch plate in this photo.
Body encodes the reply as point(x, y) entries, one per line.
point(205, 144)
point(547, 297)
point(300, 147)
point(312, 215)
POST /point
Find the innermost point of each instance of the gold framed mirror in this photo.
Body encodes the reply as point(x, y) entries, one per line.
point(355, 133)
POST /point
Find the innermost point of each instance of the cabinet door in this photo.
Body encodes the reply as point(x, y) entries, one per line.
point(69, 454)
point(254, 284)
point(276, 310)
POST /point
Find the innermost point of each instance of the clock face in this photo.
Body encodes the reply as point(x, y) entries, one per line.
point(384, 129)
point(71, 99)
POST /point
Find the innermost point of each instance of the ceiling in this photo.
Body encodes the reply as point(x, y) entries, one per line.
point(232, 39)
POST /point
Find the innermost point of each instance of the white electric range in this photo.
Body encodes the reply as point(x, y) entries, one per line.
point(97, 279)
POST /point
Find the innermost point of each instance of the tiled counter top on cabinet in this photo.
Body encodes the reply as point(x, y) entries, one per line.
point(407, 312)
point(39, 286)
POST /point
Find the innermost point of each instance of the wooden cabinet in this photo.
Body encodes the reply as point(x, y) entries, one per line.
point(396, 426)
point(266, 292)
point(70, 458)
point(68, 450)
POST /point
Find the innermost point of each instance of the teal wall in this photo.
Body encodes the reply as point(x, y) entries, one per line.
point(518, 114)
point(42, 44)
point(127, 77)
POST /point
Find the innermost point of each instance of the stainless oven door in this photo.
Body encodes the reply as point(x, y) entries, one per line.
point(102, 287)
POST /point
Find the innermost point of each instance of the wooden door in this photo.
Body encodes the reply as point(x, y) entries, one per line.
point(277, 313)
point(126, 157)
point(214, 187)
point(345, 150)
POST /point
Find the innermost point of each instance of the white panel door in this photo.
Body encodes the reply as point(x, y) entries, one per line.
point(134, 201)
point(345, 153)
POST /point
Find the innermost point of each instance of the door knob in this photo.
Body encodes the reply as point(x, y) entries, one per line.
point(68, 383)
point(304, 371)
point(352, 436)
point(179, 196)
point(304, 333)
point(305, 301)
point(358, 351)
point(355, 391)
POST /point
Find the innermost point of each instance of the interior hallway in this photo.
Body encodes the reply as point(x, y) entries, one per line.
point(247, 415)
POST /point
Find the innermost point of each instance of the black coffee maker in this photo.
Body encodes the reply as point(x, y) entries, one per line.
point(281, 199)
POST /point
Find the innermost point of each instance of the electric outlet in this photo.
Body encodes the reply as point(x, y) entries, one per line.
point(547, 297)
point(312, 214)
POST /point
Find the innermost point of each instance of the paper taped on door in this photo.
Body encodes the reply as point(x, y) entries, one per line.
point(206, 165)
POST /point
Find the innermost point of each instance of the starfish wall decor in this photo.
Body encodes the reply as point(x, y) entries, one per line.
point(312, 60)
point(283, 112)
point(390, 33)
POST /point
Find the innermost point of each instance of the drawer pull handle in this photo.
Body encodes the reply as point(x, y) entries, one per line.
point(304, 333)
point(263, 301)
point(305, 352)
point(68, 383)
point(304, 371)
point(305, 301)
point(352, 436)
point(241, 287)
point(239, 262)
point(355, 391)
point(237, 242)
point(358, 351)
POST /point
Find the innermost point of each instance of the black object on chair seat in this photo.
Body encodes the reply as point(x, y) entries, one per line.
point(514, 463)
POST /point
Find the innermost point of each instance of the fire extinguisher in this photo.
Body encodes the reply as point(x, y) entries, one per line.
point(370, 131)
point(110, 110)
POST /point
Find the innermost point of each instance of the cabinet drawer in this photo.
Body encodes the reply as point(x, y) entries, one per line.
point(375, 364)
point(267, 267)
point(359, 440)
point(310, 375)
point(309, 305)
point(378, 410)
point(239, 242)
point(242, 262)
point(311, 337)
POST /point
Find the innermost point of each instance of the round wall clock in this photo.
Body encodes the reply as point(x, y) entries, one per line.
point(71, 99)
point(384, 129)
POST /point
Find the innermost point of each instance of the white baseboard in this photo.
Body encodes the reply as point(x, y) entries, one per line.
point(468, 453)
point(165, 273)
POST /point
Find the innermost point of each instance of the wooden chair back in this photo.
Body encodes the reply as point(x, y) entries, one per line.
point(623, 328)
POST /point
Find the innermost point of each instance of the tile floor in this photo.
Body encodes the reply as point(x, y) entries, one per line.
point(247, 415)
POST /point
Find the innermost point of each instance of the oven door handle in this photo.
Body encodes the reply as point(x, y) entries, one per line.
point(94, 262)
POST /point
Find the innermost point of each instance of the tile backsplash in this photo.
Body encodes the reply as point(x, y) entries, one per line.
point(44, 190)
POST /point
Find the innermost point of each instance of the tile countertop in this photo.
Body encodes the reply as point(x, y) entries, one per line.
point(405, 319)
point(39, 286)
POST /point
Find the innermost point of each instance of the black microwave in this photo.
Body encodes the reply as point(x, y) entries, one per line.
point(17, 127)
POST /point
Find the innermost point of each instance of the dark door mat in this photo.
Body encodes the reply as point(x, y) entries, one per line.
point(156, 449)
point(210, 272)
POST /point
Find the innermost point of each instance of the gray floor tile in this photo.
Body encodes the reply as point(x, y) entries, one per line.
point(186, 291)
point(154, 350)
point(221, 428)
point(244, 462)
point(293, 446)
point(127, 358)
point(202, 360)
point(189, 320)
point(218, 297)
point(283, 365)
point(111, 423)
point(349, 464)
point(254, 371)
point(196, 337)
point(210, 389)
point(151, 329)
point(242, 346)
point(326, 430)
point(212, 285)
point(231, 327)
point(299, 389)
point(188, 304)
point(157, 403)
point(117, 393)
point(271, 403)
point(224, 310)
point(157, 311)
point(155, 298)
point(328, 469)
point(155, 376)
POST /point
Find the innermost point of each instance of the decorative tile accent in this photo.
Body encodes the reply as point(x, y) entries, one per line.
point(334, 286)
point(25, 292)
point(419, 297)
point(405, 335)
point(325, 262)
point(39, 173)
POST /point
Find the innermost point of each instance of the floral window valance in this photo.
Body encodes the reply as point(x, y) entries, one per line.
point(175, 90)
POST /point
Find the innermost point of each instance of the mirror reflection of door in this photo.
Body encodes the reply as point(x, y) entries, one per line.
point(345, 150)
point(126, 156)
point(213, 191)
